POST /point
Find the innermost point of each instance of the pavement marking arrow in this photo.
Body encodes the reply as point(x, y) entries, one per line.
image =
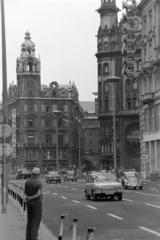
point(114, 216)
point(150, 230)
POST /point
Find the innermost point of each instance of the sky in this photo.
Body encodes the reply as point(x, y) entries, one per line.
point(64, 33)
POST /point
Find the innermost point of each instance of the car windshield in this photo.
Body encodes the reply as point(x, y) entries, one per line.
point(104, 177)
point(132, 174)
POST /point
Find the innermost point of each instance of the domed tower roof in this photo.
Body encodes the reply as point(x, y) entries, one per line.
point(27, 44)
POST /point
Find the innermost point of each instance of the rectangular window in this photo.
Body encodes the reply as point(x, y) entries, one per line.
point(30, 122)
point(48, 108)
point(30, 108)
point(150, 50)
point(158, 117)
point(152, 120)
point(48, 123)
point(150, 20)
point(90, 142)
point(48, 139)
point(90, 133)
point(60, 138)
point(147, 120)
point(145, 54)
point(145, 25)
point(30, 139)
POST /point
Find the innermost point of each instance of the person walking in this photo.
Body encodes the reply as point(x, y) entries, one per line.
point(33, 198)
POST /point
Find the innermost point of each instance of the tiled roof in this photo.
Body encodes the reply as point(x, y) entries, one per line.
point(88, 106)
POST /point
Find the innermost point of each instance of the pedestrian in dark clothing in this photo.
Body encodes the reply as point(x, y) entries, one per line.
point(33, 192)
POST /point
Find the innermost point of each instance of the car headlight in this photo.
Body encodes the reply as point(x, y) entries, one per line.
point(119, 187)
point(99, 189)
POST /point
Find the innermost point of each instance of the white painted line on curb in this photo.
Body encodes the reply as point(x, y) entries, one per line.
point(128, 200)
point(75, 201)
point(114, 216)
point(63, 197)
point(91, 207)
point(152, 205)
point(151, 231)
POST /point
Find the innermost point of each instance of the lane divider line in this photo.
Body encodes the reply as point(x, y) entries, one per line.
point(114, 216)
point(55, 193)
point(63, 197)
point(75, 201)
point(128, 200)
point(147, 194)
point(150, 231)
point(152, 205)
point(74, 188)
point(91, 207)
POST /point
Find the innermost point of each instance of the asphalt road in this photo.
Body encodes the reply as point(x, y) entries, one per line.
point(135, 217)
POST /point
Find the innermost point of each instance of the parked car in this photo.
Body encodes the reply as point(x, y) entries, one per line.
point(70, 176)
point(53, 176)
point(132, 179)
point(103, 185)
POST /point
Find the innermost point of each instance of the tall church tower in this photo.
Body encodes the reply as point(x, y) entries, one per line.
point(109, 62)
point(28, 70)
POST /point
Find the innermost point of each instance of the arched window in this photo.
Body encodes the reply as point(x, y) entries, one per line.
point(134, 102)
point(106, 87)
point(128, 103)
point(105, 68)
point(99, 69)
point(135, 84)
point(106, 105)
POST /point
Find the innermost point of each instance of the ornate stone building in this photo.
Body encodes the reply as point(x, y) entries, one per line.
point(109, 62)
point(149, 91)
point(40, 112)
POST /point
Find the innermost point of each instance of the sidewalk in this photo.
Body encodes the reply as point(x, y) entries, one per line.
point(13, 227)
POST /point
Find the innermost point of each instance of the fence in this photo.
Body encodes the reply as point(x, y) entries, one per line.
point(17, 198)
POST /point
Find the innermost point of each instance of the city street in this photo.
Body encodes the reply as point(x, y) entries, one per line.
point(136, 217)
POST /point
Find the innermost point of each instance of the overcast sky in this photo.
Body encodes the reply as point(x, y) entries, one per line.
point(64, 33)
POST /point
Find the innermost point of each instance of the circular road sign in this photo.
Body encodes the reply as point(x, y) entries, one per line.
point(5, 131)
point(5, 149)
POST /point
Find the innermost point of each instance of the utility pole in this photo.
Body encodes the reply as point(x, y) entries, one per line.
point(5, 110)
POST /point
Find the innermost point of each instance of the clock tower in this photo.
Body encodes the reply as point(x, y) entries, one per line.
point(28, 70)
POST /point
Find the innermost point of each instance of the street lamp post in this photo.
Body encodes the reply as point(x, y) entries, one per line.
point(114, 79)
point(57, 113)
point(79, 143)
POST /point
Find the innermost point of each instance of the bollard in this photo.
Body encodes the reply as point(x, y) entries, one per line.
point(74, 232)
point(61, 228)
point(90, 234)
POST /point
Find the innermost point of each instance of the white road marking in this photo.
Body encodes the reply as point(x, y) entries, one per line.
point(74, 188)
point(151, 231)
point(153, 188)
point(44, 193)
point(126, 191)
point(114, 216)
point(129, 200)
point(75, 201)
point(65, 187)
point(55, 193)
point(91, 206)
point(63, 197)
point(148, 194)
point(152, 205)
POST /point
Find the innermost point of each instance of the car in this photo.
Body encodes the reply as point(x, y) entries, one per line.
point(70, 176)
point(23, 173)
point(103, 185)
point(131, 179)
point(53, 176)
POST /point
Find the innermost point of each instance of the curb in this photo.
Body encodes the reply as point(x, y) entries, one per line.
point(45, 233)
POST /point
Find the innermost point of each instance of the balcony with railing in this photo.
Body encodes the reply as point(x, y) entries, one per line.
point(147, 97)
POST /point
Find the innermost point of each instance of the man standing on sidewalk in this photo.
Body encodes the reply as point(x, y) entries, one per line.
point(33, 192)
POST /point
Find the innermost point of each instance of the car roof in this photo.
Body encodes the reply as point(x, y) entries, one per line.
point(101, 173)
point(130, 172)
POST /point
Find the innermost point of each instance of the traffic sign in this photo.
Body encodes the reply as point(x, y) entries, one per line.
point(5, 131)
point(5, 149)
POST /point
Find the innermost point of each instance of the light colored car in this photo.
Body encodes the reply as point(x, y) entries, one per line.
point(103, 185)
point(53, 176)
point(70, 176)
point(131, 179)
